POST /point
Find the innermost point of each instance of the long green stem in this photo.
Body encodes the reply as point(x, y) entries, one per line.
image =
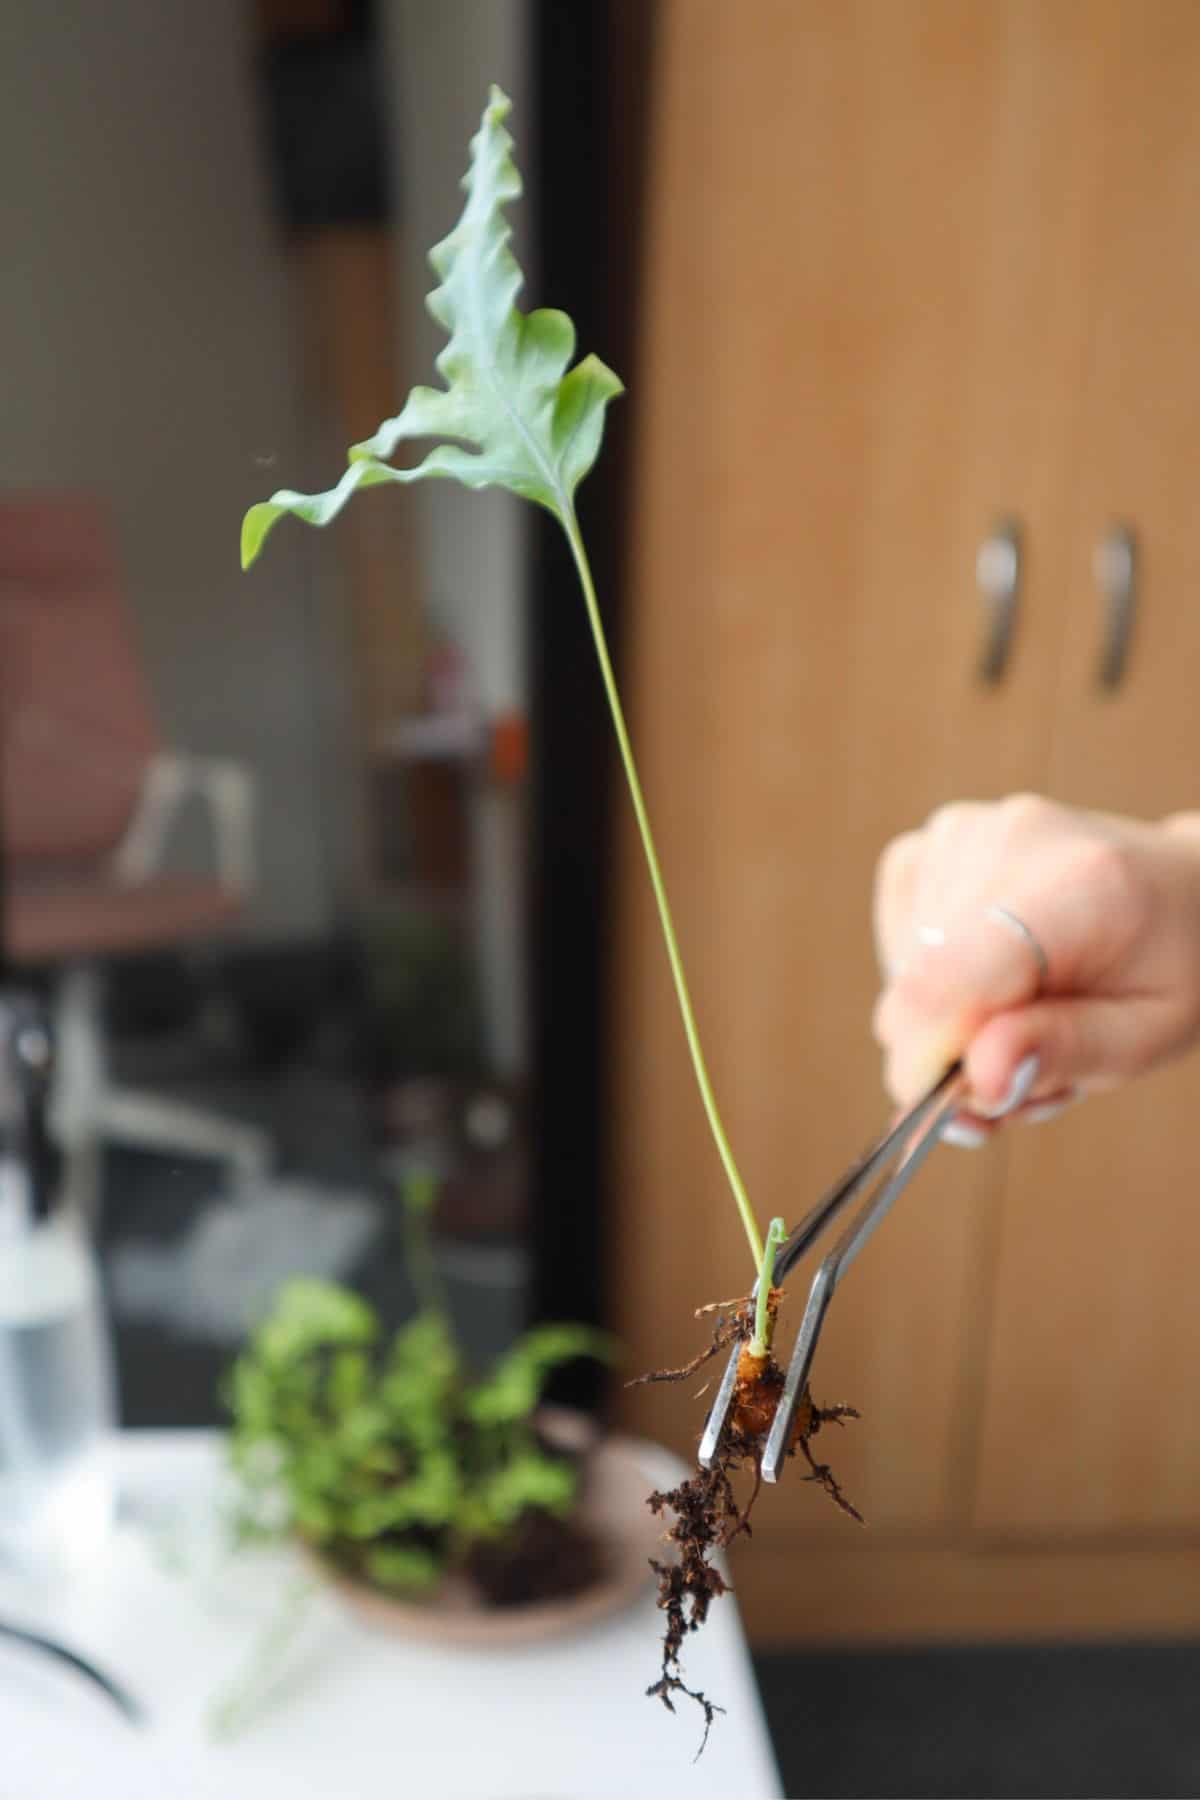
point(761, 1341)
point(749, 1223)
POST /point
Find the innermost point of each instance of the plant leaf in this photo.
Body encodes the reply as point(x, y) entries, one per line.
point(543, 1483)
point(403, 1566)
point(514, 1387)
point(514, 416)
point(310, 1314)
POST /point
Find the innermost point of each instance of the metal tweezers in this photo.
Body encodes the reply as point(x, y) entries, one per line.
point(909, 1140)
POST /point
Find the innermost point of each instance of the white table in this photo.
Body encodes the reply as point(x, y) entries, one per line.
point(352, 1714)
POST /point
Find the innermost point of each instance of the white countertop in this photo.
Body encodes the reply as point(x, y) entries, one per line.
point(348, 1714)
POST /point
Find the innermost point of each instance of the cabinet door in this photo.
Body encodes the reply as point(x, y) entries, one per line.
point(861, 341)
point(1092, 1419)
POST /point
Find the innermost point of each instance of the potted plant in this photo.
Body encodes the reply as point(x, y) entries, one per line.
point(515, 413)
point(438, 1501)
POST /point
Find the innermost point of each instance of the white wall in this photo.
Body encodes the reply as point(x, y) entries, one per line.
point(148, 352)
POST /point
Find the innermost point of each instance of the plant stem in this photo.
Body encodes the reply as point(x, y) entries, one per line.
point(418, 1191)
point(229, 1713)
point(746, 1211)
point(761, 1341)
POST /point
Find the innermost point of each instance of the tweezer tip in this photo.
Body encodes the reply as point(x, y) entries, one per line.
point(715, 1423)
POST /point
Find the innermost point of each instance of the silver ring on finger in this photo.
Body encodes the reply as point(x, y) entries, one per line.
point(1011, 922)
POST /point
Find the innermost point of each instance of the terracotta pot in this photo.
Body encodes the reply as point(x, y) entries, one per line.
point(612, 1506)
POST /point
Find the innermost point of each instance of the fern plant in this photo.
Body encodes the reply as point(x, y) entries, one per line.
point(383, 1453)
point(514, 414)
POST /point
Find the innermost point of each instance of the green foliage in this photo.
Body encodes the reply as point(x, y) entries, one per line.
point(314, 1313)
point(516, 1383)
point(385, 1455)
point(405, 1566)
point(532, 424)
point(513, 414)
point(528, 1482)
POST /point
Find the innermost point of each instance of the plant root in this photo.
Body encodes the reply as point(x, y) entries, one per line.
point(707, 1514)
point(727, 1331)
point(706, 1518)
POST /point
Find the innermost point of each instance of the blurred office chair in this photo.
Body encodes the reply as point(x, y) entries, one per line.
point(89, 795)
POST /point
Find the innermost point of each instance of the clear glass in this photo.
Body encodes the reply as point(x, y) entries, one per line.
point(57, 1406)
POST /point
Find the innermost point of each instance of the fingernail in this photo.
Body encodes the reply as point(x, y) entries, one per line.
point(1019, 1090)
point(964, 1136)
point(1049, 1109)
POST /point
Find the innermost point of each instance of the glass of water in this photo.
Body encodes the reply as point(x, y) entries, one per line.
point(57, 1398)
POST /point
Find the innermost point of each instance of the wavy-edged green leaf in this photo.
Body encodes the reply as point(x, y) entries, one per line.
point(310, 1314)
point(512, 413)
point(403, 1566)
point(514, 1387)
point(532, 1481)
point(428, 1496)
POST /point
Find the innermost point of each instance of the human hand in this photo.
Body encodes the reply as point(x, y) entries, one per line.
point(1112, 905)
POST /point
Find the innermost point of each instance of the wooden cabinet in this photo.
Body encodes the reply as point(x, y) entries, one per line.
point(1095, 1333)
point(910, 268)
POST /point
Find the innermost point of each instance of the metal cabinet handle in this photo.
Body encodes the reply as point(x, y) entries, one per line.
point(1115, 568)
point(998, 574)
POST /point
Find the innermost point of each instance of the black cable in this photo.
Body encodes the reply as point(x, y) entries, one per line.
point(34, 1640)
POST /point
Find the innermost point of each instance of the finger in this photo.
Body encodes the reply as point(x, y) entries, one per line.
point(969, 1131)
point(945, 993)
point(1081, 919)
point(1040, 1112)
point(1098, 1041)
point(895, 890)
point(959, 856)
point(978, 1127)
point(965, 1133)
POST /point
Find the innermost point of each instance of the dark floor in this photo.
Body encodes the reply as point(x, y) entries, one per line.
point(1106, 1721)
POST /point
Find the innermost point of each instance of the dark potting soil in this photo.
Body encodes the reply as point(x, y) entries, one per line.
point(544, 1559)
